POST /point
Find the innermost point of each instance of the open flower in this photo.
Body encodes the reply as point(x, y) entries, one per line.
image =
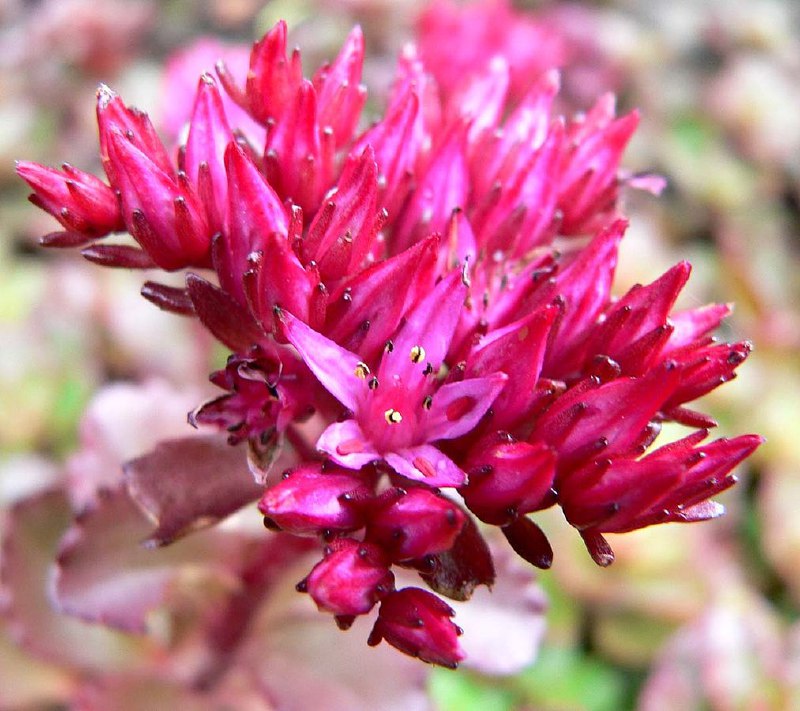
point(401, 409)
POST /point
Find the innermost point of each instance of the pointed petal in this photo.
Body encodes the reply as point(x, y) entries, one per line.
point(276, 278)
point(442, 189)
point(585, 287)
point(365, 311)
point(517, 350)
point(639, 311)
point(458, 407)
point(204, 160)
point(340, 242)
point(114, 116)
point(254, 211)
point(81, 202)
point(163, 216)
point(427, 464)
point(693, 324)
point(481, 98)
point(341, 372)
point(609, 419)
point(272, 78)
point(347, 445)
point(341, 94)
point(396, 148)
point(430, 325)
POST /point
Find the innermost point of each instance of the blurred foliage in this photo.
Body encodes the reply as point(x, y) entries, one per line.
point(717, 84)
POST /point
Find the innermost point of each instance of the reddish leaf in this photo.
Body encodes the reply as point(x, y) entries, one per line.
point(105, 575)
point(190, 483)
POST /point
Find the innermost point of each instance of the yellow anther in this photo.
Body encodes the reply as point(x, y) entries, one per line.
point(392, 416)
point(361, 370)
point(417, 354)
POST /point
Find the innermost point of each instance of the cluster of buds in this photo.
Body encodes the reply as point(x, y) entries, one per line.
point(403, 330)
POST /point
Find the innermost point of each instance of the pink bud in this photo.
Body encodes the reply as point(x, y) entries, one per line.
point(79, 201)
point(204, 159)
point(114, 116)
point(351, 578)
point(309, 500)
point(163, 214)
point(417, 523)
point(507, 479)
point(418, 624)
point(272, 79)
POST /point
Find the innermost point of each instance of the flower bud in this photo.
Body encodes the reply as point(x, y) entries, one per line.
point(417, 523)
point(508, 479)
point(310, 501)
point(79, 201)
point(351, 578)
point(418, 624)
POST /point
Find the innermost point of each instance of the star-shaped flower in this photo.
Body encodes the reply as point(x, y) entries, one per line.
point(406, 405)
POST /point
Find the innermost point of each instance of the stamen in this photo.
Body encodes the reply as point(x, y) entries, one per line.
point(392, 416)
point(362, 370)
point(373, 383)
point(427, 402)
point(417, 354)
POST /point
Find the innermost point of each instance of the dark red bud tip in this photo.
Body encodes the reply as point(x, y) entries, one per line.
point(529, 542)
point(598, 548)
point(270, 525)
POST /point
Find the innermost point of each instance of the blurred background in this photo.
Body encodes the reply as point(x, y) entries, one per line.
point(691, 617)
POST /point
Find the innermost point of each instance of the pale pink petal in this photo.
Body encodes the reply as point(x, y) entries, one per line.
point(427, 464)
point(458, 407)
point(347, 445)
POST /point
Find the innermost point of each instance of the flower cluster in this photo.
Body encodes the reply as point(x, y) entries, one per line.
point(420, 318)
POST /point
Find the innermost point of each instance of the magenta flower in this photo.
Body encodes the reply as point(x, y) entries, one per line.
point(401, 409)
point(400, 321)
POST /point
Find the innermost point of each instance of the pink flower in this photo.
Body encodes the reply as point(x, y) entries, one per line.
point(401, 409)
point(401, 322)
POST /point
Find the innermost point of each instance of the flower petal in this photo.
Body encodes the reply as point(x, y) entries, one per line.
point(347, 445)
point(341, 372)
point(458, 407)
point(427, 464)
point(430, 325)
